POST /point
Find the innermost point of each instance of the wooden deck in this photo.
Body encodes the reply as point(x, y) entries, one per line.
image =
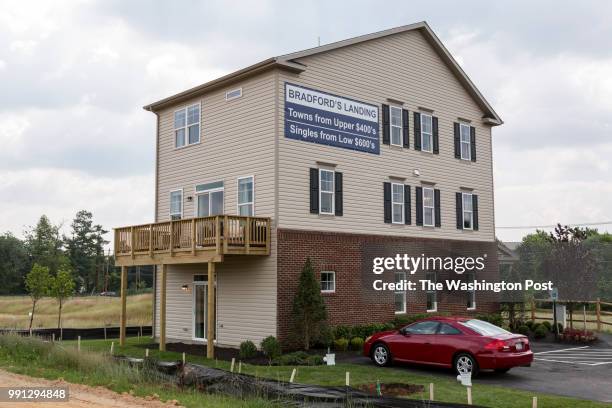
point(193, 240)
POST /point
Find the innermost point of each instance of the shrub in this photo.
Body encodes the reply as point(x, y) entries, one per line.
point(309, 312)
point(403, 320)
point(547, 324)
point(540, 331)
point(523, 329)
point(535, 327)
point(271, 347)
point(493, 318)
point(298, 358)
point(342, 332)
point(341, 344)
point(530, 324)
point(356, 343)
point(247, 349)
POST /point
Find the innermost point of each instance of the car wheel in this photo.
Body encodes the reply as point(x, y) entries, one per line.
point(381, 355)
point(465, 363)
point(502, 370)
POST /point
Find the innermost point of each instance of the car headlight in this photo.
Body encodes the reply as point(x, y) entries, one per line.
point(368, 338)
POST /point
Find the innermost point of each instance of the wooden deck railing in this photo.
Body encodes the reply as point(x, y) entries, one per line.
point(223, 234)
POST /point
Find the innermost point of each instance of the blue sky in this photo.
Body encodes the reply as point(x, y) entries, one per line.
point(75, 74)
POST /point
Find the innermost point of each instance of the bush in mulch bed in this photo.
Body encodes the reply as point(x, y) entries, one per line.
point(575, 335)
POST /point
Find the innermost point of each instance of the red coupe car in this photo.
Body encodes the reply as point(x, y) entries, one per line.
point(465, 344)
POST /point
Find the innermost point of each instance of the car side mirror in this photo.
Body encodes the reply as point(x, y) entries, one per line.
point(404, 332)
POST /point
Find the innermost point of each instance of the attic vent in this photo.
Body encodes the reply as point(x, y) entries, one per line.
point(233, 94)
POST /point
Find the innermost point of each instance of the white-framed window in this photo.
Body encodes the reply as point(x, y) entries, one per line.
point(397, 203)
point(246, 196)
point(328, 281)
point(176, 204)
point(432, 298)
point(233, 94)
point(400, 295)
point(187, 126)
point(471, 294)
point(426, 133)
point(468, 211)
point(209, 199)
point(428, 207)
point(465, 139)
point(326, 191)
point(395, 121)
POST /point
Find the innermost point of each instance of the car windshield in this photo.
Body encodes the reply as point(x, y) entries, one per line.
point(484, 328)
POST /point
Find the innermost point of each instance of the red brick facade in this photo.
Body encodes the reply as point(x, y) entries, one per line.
point(350, 257)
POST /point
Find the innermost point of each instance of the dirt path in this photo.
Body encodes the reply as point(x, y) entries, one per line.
point(80, 396)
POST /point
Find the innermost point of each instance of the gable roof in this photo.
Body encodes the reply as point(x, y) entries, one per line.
point(287, 61)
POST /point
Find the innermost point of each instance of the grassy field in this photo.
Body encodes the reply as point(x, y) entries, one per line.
point(445, 389)
point(77, 312)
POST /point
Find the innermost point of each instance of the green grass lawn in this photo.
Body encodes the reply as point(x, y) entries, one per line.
point(446, 389)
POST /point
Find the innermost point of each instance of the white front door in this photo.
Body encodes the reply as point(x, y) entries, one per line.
point(200, 310)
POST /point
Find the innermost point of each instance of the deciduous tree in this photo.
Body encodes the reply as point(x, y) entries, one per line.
point(61, 288)
point(37, 284)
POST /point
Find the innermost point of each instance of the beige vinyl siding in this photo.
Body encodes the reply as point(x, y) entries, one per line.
point(403, 67)
point(237, 139)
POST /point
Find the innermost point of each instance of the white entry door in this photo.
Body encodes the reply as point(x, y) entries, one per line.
point(200, 310)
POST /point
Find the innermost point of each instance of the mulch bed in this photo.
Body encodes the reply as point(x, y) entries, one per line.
point(392, 389)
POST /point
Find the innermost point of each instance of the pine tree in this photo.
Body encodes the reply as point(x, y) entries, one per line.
point(309, 312)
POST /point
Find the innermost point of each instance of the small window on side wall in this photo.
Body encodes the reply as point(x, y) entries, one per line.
point(395, 114)
point(328, 282)
point(465, 140)
point(326, 192)
point(176, 204)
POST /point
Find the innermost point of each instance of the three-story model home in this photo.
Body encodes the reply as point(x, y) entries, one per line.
point(369, 147)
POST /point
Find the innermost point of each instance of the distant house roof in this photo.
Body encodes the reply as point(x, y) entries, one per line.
point(287, 61)
point(506, 253)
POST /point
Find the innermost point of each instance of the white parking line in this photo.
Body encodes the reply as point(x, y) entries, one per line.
point(577, 355)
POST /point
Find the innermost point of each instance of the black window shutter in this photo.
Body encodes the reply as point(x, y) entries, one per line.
point(314, 191)
point(437, 207)
point(387, 201)
point(405, 127)
point(459, 201)
point(475, 212)
point(386, 125)
point(419, 205)
point(436, 139)
point(473, 142)
point(417, 131)
point(457, 141)
point(338, 193)
point(407, 209)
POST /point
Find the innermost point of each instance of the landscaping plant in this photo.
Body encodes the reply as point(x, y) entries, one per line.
point(309, 312)
point(37, 284)
point(357, 343)
point(247, 349)
point(341, 344)
point(271, 348)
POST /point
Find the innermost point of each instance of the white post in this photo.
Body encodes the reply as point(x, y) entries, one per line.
point(53, 337)
point(292, 375)
point(584, 317)
point(431, 391)
point(232, 366)
point(534, 403)
point(239, 367)
point(469, 395)
point(348, 378)
point(183, 358)
point(79, 343)
point(112, 347)
point(147, 352)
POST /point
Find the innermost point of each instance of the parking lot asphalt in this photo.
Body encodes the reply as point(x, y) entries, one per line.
point(562, 369)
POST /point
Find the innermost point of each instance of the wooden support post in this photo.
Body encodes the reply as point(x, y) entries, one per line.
point(162, 308)
point(123, 317)
point(598, 311)
point(218, 234)
point(533, 310)
point(132, 241)
point(268, 237)
point(225, 233)
point(151, 240)
point(210, 322)
point(247, 235)
point(171, 238)
point(193, 237)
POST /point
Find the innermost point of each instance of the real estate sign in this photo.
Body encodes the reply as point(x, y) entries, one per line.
point(319, 117)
